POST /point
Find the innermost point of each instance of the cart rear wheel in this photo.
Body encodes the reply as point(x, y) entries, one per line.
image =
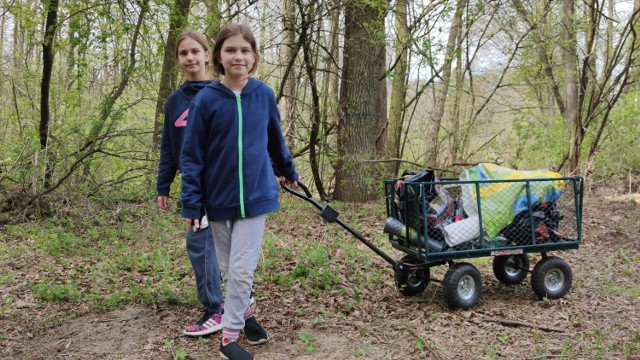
point(509, 268)
point(551, 278)
point(462, 286)
point(411, 279)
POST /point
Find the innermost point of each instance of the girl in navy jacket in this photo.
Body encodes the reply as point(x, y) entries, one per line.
point(233, 143)
point(192, 54)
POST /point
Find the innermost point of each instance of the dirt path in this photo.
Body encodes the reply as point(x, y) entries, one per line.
point(599, 318)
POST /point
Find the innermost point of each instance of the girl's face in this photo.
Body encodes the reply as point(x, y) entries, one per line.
point(193, 59)
point(237, 57)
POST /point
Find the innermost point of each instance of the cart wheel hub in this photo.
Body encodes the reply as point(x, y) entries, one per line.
point(512, 267)
point(466, 287)
point(554, 280)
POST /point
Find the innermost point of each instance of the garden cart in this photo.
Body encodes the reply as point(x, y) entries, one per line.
point(443, 222)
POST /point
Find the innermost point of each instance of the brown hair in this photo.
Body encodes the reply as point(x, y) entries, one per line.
point(199, 38)
point(227, 32)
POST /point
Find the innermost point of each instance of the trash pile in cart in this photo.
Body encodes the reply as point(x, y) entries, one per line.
point(508, 207)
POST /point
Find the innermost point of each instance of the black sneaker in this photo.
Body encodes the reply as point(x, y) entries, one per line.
point(255, 334)
point(233, 351)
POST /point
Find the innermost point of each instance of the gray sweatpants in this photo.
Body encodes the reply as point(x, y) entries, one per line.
point(238, 244)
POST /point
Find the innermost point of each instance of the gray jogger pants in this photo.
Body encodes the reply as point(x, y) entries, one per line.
point(238, 244)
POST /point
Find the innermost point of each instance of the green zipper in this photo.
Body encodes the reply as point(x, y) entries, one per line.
point(240, 176)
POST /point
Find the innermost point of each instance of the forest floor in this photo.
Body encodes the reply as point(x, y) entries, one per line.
point(358, 317)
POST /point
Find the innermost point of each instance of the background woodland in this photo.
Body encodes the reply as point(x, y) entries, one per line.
point(366, 88)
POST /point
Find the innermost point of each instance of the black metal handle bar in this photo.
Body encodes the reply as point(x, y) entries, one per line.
point(331, 215)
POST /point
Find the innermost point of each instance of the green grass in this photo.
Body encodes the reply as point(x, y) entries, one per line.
point(45, 291)
point(105, 258)
point(108, 257)
point(631, 346)
point(310, 344)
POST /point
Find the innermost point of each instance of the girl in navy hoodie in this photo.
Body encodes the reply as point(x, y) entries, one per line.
point(192, 54)
point(233, 143)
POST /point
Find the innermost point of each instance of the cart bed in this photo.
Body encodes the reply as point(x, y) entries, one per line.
point(514, 218)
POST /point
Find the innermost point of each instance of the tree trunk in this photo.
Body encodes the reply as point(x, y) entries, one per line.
point(306, 31)
point(454, 132)
point(398, 89)
point(356, 175)
point(214, 19)
point(441, 90)
point(334, 58)
point(635, 71)
point(539, 38)
point(45, 86)
point(179, 16)
point(289, 89)
point(568, 53)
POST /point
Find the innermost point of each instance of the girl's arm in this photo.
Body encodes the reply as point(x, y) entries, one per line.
point(192, 162)
point(167, 167)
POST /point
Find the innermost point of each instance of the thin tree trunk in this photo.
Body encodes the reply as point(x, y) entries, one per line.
point(543, 53)
point(45, 86)
point(568, 53)
point(454, 132)
point(442, 90)
point(286, 51)
point(310, 68)
point(635, 71)
point(398, 89)
point(179, 15)
point(334, 60)
point(109, 101)
point(214, 18)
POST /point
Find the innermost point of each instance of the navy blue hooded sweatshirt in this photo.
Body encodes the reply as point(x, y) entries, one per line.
point(229, 145)
point(175, 121)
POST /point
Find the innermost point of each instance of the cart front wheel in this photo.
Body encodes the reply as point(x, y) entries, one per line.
point(510, 269)
point(462, 286)
point(411, 278)
point(551, 278)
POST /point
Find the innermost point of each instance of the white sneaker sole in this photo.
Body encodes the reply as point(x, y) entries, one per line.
point(258, 342)
point(211, 330)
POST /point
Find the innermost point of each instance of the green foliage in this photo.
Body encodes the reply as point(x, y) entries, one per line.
point(535, 143)
point(178, 353)
point(309, 343)
point(115, 257)
point(53, 238)
point(632, 346)
point(314, 271)
point(618, 152)
point(47, 292)
point(364, 352)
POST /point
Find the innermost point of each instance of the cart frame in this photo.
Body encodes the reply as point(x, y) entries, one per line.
point(462, 285)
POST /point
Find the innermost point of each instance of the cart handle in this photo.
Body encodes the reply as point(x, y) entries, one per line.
point(306, 196)
point(326, 211)
point(331, 215)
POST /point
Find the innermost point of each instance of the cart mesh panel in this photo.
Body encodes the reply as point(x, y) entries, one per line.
point(448, 217)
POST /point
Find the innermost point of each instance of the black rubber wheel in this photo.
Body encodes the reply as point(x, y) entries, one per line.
point(551, 278)
point(411, 279)
point(509, 268)
point(462, 286)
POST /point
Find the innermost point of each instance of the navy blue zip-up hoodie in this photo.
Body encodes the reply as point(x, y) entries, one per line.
point(229, 145)
point(175, 121)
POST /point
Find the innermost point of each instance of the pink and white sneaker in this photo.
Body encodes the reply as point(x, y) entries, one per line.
point(208, 324)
